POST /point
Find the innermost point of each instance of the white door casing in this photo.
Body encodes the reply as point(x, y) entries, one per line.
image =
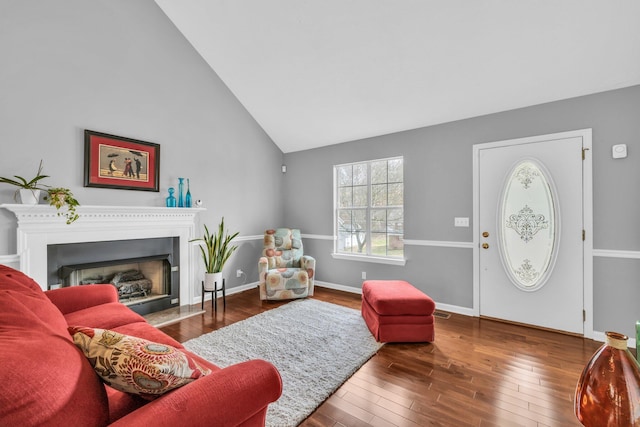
point(503, 287)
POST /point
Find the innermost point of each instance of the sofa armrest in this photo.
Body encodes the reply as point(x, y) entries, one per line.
point(229, 397)
point(74, 298)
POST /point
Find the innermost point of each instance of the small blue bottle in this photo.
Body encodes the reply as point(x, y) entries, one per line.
point(171, 200)
point(180, 192)
point(187, 198)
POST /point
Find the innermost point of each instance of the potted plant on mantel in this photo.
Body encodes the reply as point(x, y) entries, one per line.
point(58, 197)
point(216, 251)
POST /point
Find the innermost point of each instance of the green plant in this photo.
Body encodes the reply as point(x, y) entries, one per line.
point(62, 197)
point(216, 249)
point(22, 183)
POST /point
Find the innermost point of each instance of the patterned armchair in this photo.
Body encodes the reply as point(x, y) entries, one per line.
point(285, 272)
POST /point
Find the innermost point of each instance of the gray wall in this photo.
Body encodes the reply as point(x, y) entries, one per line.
point(121, 67)
point(438, 187)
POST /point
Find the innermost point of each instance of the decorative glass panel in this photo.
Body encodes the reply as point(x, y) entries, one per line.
point(528, 226)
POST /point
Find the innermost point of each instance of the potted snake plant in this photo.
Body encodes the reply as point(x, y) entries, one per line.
point(215, 252)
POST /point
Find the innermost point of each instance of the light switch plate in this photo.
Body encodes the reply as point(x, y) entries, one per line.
point(461, 222)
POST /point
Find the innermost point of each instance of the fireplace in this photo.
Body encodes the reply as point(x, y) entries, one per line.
point(41, 231)
point(143, 271)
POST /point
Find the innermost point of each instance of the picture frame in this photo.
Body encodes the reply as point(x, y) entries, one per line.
point(112, 161)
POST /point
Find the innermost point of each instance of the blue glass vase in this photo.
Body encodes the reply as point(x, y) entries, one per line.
point(181, 192)
point(187, 198)
point(171, 200)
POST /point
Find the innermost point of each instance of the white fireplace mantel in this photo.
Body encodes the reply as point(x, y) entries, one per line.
point(40, 226)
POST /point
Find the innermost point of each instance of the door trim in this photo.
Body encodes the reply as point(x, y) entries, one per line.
point(587, 209)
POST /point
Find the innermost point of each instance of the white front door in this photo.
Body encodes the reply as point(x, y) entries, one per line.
point(530, 254)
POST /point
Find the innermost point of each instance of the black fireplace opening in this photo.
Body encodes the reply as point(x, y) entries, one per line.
point(145, 272)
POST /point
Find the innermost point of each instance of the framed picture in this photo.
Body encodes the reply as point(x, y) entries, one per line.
point(116, 162)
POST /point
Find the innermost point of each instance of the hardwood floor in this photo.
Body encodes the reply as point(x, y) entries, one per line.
point(477, 372)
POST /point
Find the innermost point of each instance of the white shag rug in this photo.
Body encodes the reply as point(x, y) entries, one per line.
point(315, 345)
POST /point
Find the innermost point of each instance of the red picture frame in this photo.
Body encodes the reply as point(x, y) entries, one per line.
point(117, 162)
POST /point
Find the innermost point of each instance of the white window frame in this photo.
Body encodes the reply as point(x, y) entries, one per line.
point(390, 260)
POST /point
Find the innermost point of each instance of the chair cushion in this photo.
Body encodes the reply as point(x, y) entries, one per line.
point(283, 247)
point(135, 365)
point(287, 279)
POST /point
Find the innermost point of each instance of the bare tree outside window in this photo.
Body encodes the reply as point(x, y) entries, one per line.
point(370, 208)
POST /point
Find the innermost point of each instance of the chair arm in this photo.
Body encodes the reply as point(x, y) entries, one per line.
point(228, 397)
point(74, 298)
point(263, 265)
point(308, 262)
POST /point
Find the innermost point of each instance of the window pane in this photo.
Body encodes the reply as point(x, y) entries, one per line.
point(379, 172)
point(379, 195)
point(396, 170)
point(395, 245)
point(345, 176)
point(379, 220)
point(396, 196)
point(379, 244)
point(360, 174)
point(360, 196)
point(345, 197)
point(395, 221)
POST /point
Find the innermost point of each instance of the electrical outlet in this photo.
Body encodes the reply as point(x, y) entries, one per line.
point(364, 275)
point(239, 273)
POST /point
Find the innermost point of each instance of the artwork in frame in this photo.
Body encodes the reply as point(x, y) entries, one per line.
point(117, 162)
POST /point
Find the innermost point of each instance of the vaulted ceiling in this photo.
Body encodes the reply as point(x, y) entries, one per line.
point(320, 72)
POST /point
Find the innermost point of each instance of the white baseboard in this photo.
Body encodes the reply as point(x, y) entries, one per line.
point(337, 287)
point(231, 291)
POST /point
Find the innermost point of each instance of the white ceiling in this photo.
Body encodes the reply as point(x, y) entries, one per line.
point(320, 72)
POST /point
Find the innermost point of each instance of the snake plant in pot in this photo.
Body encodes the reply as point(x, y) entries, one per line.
point(216, 250)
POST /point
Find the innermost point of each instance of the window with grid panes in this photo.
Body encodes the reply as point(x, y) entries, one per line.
point(369, 208)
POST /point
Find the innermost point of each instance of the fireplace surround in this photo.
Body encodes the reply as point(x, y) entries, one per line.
point(39, 227)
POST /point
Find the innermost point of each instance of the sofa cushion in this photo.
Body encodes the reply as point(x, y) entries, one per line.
point(135, 365)
point(104, 316)
point(29, 295)
point(45, 379)
point(148, 332)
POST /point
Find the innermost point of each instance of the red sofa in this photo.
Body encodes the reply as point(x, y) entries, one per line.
point(47, 380)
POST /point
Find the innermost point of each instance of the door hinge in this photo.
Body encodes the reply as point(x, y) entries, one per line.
point(584, 235)
point(584, 315)
point(584, 150)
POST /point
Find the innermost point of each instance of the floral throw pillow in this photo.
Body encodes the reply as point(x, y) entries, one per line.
point(135, 365)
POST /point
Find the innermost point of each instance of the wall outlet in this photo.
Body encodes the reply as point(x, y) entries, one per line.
point(239, 273)
point(460, 222)
point(364, 275)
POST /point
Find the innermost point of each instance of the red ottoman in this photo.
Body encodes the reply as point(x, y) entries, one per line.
point(395, 311)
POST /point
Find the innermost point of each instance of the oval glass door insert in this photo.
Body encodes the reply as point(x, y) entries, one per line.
point(528, 226)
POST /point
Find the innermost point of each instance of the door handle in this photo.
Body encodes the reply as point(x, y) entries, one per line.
point(485, 234)
point(485, 246)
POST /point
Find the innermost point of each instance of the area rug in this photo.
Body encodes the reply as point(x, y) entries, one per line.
point(315, 345)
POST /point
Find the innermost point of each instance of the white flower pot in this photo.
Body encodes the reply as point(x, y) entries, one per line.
point(212, 280)
point(29, 197)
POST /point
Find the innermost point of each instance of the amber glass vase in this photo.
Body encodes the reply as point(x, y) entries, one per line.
point(608, 392)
